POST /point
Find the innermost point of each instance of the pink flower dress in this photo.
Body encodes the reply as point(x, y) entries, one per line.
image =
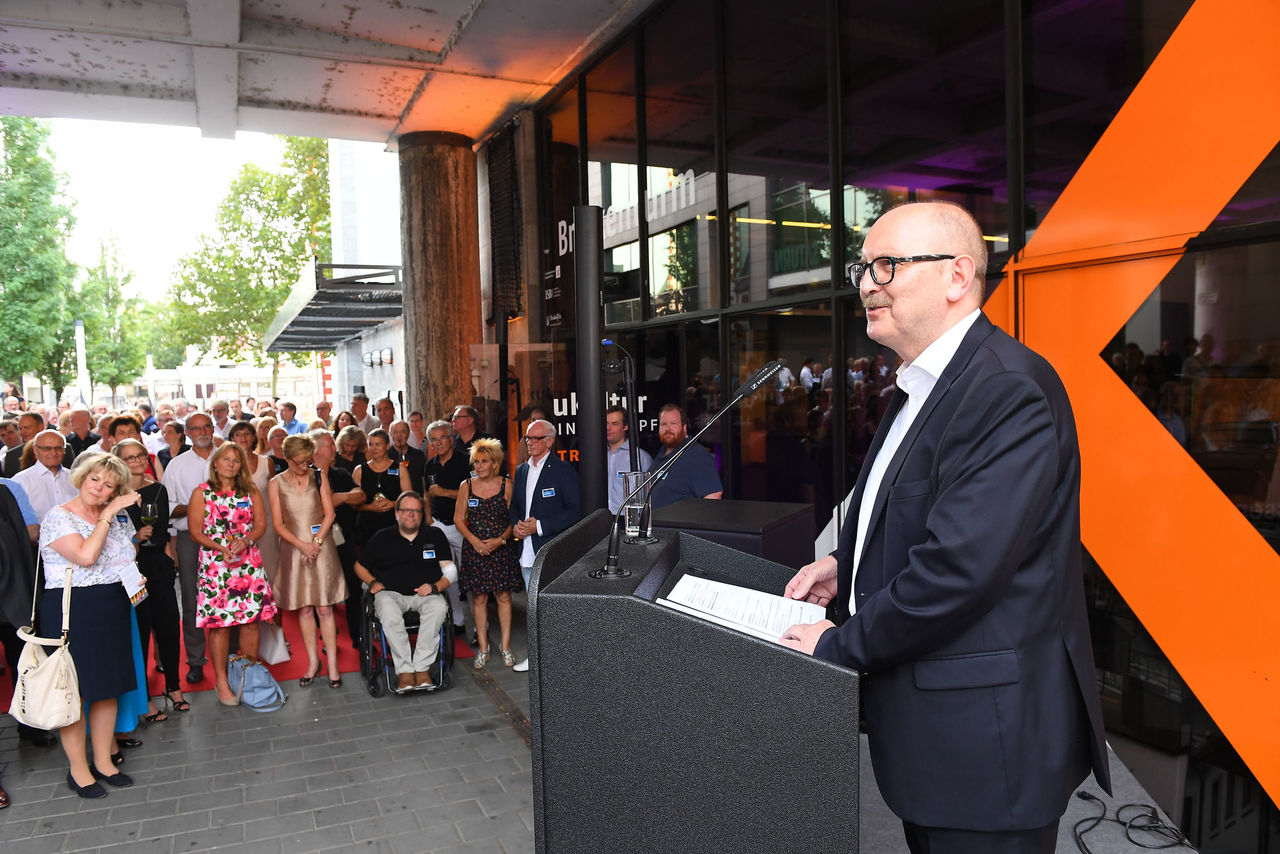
point(230, 594)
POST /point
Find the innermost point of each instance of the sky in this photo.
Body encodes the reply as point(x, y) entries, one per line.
point(153, 189)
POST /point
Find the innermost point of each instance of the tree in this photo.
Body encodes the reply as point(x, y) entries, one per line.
point(155, 328)
point(270, 225)
point(114, 347)
point(35, 274)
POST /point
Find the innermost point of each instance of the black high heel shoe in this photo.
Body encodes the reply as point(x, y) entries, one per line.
point(89, 792)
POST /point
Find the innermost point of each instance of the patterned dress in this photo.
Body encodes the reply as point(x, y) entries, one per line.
point(499, 570)
point(230, 594)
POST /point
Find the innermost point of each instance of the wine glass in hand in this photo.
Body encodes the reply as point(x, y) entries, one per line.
point(150, 514)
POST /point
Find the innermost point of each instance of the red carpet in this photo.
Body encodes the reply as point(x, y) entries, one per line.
point(291, 670)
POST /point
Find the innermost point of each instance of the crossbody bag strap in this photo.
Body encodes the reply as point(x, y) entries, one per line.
point(66, 603)
point(36, 586)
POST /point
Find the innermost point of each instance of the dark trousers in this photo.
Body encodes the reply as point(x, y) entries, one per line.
point(354, 604)
point(944, 840)
point(12, 649)
point(158, 614)
point(188, 569)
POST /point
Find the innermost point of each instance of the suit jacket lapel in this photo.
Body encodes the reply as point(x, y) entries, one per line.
point(968, 346)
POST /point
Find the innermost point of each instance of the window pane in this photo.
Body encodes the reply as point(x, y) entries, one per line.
point(924, 101)
point(680, 202)
point(778, 147)
point(1084, 60)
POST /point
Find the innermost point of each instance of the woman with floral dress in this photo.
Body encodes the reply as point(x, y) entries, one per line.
point(228, 516)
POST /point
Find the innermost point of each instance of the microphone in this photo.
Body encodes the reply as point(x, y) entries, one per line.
point(611, 569)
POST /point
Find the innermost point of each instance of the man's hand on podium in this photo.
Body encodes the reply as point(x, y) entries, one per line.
point(805, 637)
point(815, 582)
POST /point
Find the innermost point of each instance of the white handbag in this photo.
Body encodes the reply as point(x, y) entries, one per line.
point(46, 693)
point(272, 648)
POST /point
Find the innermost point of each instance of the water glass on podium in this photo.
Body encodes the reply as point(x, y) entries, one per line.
point(631, 481)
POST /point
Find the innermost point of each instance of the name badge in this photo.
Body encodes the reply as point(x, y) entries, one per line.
point(394, 470)
point(315, 530)
point(473, 502)
point(244, 503)
point(122, 517)
point(428, 554)
point(549, 492)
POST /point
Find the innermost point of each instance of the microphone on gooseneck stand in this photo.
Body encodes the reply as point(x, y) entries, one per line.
point(611, 569)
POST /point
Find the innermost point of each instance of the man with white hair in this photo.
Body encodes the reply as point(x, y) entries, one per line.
point(47, 483)
point(544, 499)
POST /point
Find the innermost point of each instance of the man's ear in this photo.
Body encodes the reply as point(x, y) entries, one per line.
point(962, 273)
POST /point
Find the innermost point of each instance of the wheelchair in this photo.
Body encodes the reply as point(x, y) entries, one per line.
point(376, 666)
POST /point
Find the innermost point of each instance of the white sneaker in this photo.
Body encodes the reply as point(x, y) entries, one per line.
point(522, 666)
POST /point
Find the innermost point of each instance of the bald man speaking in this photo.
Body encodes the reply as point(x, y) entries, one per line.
point(957, 584)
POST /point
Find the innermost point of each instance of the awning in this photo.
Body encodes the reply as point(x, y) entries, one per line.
point(332, 303)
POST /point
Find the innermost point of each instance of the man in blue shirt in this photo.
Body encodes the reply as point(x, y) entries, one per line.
point(289, 419)
point(694, 475)
point(619, 454)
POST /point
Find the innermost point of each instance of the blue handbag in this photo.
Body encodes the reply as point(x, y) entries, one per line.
point(254, 685)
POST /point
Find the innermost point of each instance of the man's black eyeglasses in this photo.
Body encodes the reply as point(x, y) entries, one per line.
point(883, 268)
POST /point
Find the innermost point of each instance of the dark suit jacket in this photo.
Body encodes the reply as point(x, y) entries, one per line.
point(979, 691)
point(556, 511)
point(417, 462)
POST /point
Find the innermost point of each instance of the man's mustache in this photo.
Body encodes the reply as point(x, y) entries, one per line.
point(875, 303)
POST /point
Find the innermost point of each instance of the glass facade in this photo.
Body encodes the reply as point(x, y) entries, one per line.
point(724, 142)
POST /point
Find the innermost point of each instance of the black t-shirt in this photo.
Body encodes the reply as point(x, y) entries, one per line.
point(405, 565)
point(415, 460)
point(448, 476)
point(344, 515)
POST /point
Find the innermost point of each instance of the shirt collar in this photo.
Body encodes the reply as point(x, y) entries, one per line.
point(538, 465)
point(935, 358)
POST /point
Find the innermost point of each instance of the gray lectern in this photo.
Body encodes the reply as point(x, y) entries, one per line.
point(654, 731)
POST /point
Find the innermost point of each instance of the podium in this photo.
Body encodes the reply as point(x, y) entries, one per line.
point(655, 731)
point(777, 530)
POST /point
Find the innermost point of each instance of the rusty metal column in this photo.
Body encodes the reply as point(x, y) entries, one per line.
point(440, 245)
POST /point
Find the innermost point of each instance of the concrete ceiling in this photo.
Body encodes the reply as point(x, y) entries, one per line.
point(348, 69)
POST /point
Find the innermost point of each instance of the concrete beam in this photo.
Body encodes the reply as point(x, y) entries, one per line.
point(217, 71)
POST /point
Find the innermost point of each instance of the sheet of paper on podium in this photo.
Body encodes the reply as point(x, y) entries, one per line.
point(764, 615)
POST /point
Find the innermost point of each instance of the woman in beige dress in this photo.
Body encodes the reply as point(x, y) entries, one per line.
point(242, 433)
point(309, 575)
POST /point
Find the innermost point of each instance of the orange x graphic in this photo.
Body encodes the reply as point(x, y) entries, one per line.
point(1204, 583)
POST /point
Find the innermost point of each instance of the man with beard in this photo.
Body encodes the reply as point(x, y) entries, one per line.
point(694, 475)
point(184, 473)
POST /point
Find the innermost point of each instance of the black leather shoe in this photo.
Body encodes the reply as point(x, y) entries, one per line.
point(130, 742)
point(38, 737)
point(4, 798)
point(119, 779)
point(195, 674)
point(93, 790)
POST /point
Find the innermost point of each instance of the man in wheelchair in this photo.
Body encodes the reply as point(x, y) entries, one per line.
point(404, 568)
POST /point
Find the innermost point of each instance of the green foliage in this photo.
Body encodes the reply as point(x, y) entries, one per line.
point(35, 274)
point(156, 324)
point(269, 226)
point(114, 347)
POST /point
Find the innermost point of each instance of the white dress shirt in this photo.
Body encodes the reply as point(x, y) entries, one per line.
point(917, 381)
point(184, 473)
point(45, 488)
point(530, 487)
point(369, 422)
point(619, 462)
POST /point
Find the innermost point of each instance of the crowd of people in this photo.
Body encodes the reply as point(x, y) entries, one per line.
point(249, 511)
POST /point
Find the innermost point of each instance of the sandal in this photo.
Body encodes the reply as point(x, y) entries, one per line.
point(482, 658)
point(335, 683)
point(177, 705)
point(155, 717)
point(307, 680)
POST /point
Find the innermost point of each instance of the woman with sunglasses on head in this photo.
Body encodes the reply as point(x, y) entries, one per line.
point(309, 578)
point(228, 516)
point(86, 535)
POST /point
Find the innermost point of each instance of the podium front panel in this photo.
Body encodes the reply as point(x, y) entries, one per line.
point(656, 731)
